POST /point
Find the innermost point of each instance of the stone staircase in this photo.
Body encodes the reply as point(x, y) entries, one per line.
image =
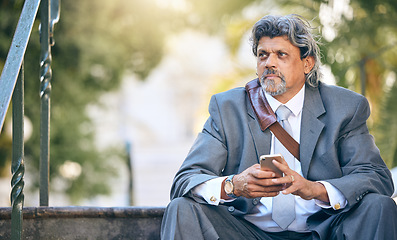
point(85, 223)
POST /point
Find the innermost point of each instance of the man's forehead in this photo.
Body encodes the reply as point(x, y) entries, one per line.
point(275, 44)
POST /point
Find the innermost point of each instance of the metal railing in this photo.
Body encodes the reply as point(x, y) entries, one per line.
point(48, 17)
point(12, 87)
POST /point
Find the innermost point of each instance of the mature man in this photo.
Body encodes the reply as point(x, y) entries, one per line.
point(335, 187)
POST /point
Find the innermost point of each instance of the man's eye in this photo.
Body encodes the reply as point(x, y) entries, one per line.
point(261, 55)
point(282, 54)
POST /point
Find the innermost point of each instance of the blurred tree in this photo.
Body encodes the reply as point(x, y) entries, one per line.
point(365, 59)
point(7, 27)
point(96, 42)
point(360, 46)
point(215, 16)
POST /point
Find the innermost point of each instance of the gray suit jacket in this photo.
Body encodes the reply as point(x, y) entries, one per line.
point(335, 146)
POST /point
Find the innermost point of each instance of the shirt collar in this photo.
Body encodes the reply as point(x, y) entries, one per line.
point(295, 104)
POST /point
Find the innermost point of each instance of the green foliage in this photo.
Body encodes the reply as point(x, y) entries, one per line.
point(7, 27)
point(362, 53)
point(362, 56)
point(215, 16)
point(365, 51)
point(5, 154)
point(386, 129)
point(96, 42)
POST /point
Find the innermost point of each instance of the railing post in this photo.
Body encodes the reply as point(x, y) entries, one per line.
point(45, 90)
point(49, 16)
point(17, 168)
point(11, 82)
point(15, 56)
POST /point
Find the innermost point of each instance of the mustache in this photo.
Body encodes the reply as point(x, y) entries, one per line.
point(271, 86)
point(272, 71)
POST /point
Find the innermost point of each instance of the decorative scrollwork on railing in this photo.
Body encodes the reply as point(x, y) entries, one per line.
point(50, 11)
point(45, 75)
point(45, 92)
point(17, 166)
point(17, 183)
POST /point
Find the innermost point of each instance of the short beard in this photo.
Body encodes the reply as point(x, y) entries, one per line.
point(268, 84)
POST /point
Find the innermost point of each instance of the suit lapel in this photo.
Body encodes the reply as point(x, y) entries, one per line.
point(311, 126)
point(261, 139)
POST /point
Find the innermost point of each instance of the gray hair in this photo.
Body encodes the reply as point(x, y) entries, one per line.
point(298, 32)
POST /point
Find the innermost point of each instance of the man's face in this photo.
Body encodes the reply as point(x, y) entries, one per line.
point(280, 68)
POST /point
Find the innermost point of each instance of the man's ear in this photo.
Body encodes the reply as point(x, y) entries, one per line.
point(308, 64)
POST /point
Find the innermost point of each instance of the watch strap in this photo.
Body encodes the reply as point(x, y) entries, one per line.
point(229, 179)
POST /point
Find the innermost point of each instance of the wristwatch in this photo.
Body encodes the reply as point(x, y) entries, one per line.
point(229, 187)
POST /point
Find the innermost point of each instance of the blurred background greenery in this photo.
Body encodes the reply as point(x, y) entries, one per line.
point(99, 42)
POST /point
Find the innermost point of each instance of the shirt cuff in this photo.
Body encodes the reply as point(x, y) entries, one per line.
point(336, 199)
point(210, 191)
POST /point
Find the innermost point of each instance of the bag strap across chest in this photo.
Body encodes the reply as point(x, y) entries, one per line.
point(267, 118)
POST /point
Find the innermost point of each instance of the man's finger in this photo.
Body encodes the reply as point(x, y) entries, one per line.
point(283, 167)
point(287, 179)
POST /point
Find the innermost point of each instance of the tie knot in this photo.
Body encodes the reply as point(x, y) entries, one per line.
point(283, 112)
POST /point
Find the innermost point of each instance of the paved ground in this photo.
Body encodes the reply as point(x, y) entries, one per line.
point(154, 171)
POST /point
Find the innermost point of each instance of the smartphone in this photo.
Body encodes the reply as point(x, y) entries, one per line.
point(266, 163)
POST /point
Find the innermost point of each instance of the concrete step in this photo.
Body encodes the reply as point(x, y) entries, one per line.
point(86, 223)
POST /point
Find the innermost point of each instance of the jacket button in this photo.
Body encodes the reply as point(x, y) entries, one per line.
point(255, 201)
point(231, 209)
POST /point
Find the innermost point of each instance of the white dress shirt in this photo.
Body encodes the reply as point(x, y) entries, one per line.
point(261, 215)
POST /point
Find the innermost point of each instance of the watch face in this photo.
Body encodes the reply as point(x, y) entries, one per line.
point(228, 187)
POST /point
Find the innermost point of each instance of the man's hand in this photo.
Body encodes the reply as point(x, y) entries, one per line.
point(298, 185)
point(254, 182)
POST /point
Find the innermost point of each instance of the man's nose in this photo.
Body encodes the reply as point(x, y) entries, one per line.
point(271, 61)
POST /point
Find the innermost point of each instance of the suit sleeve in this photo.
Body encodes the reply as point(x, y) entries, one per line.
point(206, 159)
point(363, 170)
